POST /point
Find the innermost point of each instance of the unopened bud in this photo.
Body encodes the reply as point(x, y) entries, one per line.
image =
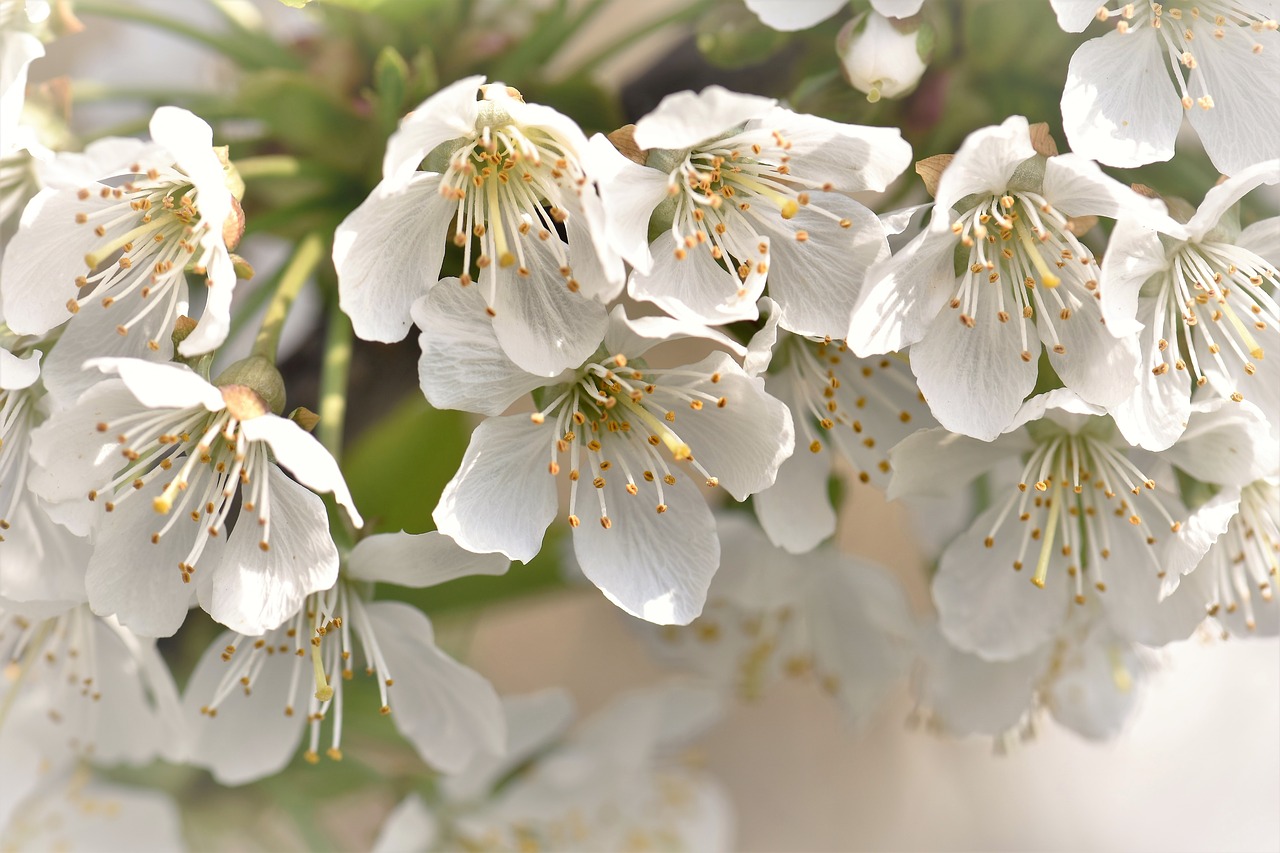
point(883, 58)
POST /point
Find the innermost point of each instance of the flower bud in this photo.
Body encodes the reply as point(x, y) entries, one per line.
point(883, 58)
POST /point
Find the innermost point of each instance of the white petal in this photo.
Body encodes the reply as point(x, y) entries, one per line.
point(462, 365)
point(98, 817)
point(253, 735)
point(502, 497)
point(969, 695)
point(759, 351)
point(850, 157)
point(1263, 238)
point(743, 443)
point(1226, 443)
point(1096, 689)
point(899, 8)
point(974, 379)
point(134, 579)
point(990, 609)
point(449, 712)
point(448, 114)
point(1133, 600)
point(656, 566)
point(1134, 255)
point(1098, 366)
point(696, 286)
point(635, 337)
point(305, 457)
point(418, 560)
point(1181, 553)
point(215, 321)
point(1237, 132)
point(17, 51)
point(816, 282)
point(984, 164)
point(1121, 125)
point(684, 119)
point(19, 372)
point(410, 828)
point(631, 192)
point(1155, 414)
point(1221, 198)
point(1075, 15)
point(48, 247)
point(1075, 186)
point(937, 462)
point(161, 386)
point(795, 511)
point(40, 560)
point(388, 252)
point(902, 295)
point(789, 15)
point(91, 333)
point(543, 326)
point(252, 591)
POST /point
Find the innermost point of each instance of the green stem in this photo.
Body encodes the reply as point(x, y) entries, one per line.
point(611, 49)
point(246, 52)
point(303, 263)
point(334, 374)
point(270, 166)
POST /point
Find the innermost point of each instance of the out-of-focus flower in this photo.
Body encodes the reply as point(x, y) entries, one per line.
point(642, 437)
point(1082, 517)
point(861, 406)
point(171, 458)
point(1121, 107)
point(880, 58)
point(788, 15)
point(748, 193)
point(769, 614)
point(505, 176)
point(615, 783)
point(73, 811)
point(1005, 201)
point(111, 255)
point(245, 702)
point(1201, 298)
point(18, 49)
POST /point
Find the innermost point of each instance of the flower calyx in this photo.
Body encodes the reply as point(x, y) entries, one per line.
point(252, 387)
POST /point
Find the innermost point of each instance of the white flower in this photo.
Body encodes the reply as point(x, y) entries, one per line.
point(748, 193)
point(861, 407)
point(788, 15)
point(615, 783)
point(1081, 517)
point(1203, 296)
point(18, 49)
point(75, 812)
point(975, 337)
point(878, 58)
point(1245, 562)
point(842, 621)
point(169, 463)
point(509, 175)
point(246, 700)
point(641, 437)
point(81, 687)
point(112, 254)
point(1121, 107)
point(1087, 679)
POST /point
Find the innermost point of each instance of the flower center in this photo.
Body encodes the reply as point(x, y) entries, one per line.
point(623, 414)
point(1072, 487)
point(1024, 262)
point(153, 231)
point(1221, 283)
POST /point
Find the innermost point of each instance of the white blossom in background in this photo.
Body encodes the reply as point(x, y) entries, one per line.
point(634, 441)
point(749, 194)
point(1088, 679)
point(1005, 203)
point(842, 406)
point(1217, 63)
point(1200, 296)
point(881, 59)
point(112, 254)
point(1245, 562)
point(501, 177)
point(1082, 521)
point(19, 47)
point(789, 15)
point(156, 462)
point(842, 621)
point(250, 698)
point(617, 782)
point(73, 811)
